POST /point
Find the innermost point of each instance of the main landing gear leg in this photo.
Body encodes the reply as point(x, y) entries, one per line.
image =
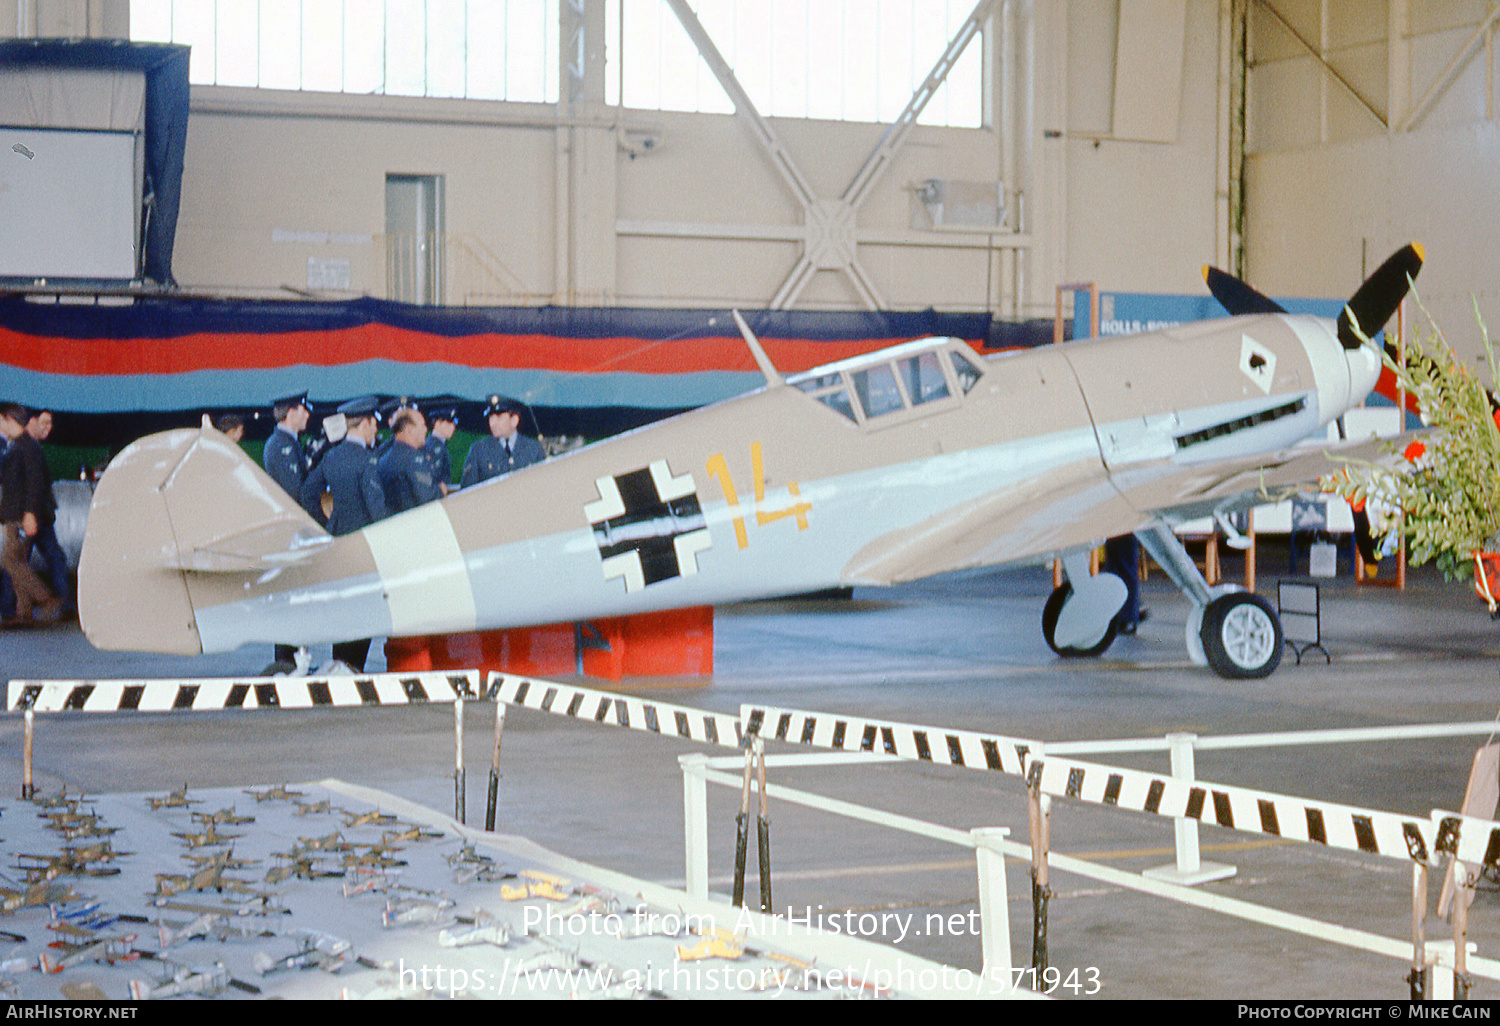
point(1233, 631)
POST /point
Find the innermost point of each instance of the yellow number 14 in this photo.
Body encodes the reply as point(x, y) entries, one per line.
point(719, 468)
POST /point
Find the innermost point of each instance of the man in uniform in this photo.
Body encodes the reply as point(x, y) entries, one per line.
point(283, 458)
point(444, 423)
point(405, 471)
point(285, 461)
point(506, 449)
point(351, 474)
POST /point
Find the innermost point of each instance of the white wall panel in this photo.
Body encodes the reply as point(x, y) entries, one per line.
point(1316, 208)
point(1463, 102)
point(1141, 215)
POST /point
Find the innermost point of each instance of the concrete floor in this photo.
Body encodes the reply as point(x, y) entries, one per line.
point(963, 652)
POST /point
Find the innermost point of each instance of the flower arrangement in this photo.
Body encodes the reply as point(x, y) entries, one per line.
point(1444, 490)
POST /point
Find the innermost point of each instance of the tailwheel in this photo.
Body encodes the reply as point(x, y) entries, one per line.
point(1241, 636)
point(1050, 613)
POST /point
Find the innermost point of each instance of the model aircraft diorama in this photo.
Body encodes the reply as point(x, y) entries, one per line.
point(913, 461)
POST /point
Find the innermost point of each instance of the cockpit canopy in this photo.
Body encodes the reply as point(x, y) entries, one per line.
point(925, 372)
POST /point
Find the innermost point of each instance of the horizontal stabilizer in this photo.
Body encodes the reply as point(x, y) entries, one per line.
point(277, 543)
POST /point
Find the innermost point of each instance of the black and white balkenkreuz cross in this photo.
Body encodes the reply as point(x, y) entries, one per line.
point(648, 525)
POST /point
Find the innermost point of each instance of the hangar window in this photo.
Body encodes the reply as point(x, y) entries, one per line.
point(839, 60)
point(474, 49)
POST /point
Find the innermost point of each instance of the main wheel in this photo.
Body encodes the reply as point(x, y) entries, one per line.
point(1241, 636)
point(1053, 609)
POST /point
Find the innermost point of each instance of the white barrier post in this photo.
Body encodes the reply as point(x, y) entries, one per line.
point(695, 823)
point(1421, 973)
point(1189, 868)
point(994, 903)
point(1461, 898)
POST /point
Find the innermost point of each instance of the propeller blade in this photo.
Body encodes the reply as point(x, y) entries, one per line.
point(1235, 296)
point(1372, 305)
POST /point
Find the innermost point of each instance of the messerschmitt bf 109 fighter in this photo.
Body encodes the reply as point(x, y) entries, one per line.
point(896, 465)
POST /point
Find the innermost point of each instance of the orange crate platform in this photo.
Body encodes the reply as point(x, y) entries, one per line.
point(678, 642)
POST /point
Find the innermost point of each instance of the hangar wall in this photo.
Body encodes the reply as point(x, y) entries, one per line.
point(274, 179)
point(1375, 127)
point(549, 204)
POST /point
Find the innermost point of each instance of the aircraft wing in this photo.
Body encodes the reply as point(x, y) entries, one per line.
point(1078, 506)
point(1194, 491)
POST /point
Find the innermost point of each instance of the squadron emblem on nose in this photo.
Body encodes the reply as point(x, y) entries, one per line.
point(1257, 363)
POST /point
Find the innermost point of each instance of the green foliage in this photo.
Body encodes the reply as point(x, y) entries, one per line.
point(1449, 496)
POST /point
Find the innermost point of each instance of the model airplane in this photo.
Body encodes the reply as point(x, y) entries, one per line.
point(177, 799)
point(209, 836)
point(73, 861)
point(220, 925)
point(42, 892)
point(368, 818)
point(208, 874)
point(277, 793)
point(892, 466)
point(204, 980)
point(225, 817)
point(87, 946)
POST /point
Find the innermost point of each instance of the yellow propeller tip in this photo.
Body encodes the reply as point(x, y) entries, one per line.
point(1420, 251)
point(1206, 269)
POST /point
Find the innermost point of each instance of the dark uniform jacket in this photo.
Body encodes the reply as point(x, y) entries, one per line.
point(437, 455)
point(488, 457)
point(351, 473)
point(25, 484)
point(284, 461)
point(406, 477)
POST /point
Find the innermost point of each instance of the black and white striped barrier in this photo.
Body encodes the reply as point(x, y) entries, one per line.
point(207, 694)
point(929, 744)
point(1236, 808)
point(617, 710)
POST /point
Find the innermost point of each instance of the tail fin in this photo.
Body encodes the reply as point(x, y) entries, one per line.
point(172, 505)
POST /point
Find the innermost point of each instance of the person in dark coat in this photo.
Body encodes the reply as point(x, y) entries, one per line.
point(285, 461)
point(25, 506)
point(405, 471)
point(40, 428)
point(506, 449)
point(351, 474)
point(443, 422)
point(283, 457)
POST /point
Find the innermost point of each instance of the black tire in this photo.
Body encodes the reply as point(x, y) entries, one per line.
point(282, 669)
point(1242, 637)
point(1053, 609)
